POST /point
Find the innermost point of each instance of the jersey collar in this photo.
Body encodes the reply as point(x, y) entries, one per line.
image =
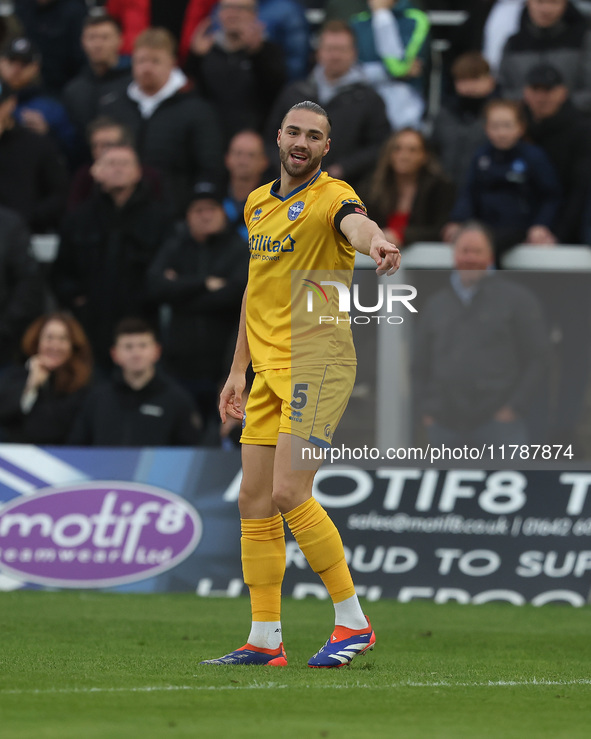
point(276, 184)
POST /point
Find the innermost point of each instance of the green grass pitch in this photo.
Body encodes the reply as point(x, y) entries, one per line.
point(86, 665)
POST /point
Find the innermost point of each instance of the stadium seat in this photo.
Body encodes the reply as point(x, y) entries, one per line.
point(563, 257)
point(428, 255)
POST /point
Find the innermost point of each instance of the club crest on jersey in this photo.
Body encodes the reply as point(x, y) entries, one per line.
point(295, 210)
point(257, 214)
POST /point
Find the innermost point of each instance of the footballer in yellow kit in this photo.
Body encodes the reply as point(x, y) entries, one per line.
point(303, 231)
point(305, 370)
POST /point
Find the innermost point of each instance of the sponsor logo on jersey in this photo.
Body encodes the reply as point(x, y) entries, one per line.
point(262, 243)
point(257, 214)
point(295, 210)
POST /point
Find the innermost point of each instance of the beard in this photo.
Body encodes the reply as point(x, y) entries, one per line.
point(301, 169)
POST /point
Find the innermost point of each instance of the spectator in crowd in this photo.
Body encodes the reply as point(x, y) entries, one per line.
point(21, 284)
point(486, 29)
point(408, 196)
point(33, 176)
point(104, 71)
point(458, 128)
point(20, 68)
point(55, 26)
point(393, 45)
point(176, 131)
point(511, 185)
point(180, 17)
point(554, 32)
point(201, 272)
point(138, 405)
point(246, 163)
point(481, 352)
point(284, 21)
point(104, 132)
point(564, 133)
point(106, 247)
point(237, 69)
point(40, 400)
point(358, 115)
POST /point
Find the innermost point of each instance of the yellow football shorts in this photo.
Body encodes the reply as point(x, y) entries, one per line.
point(305, 401)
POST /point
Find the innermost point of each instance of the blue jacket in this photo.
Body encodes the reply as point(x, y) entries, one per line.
point(509, 189)
point(60, 127)
point(286, 25)
point(413, 26)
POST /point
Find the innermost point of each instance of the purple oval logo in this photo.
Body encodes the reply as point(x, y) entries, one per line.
point(96, 534)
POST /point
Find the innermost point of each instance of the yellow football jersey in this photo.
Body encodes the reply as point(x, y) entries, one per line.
point(292, 319)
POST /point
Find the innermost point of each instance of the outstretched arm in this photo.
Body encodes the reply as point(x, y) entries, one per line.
point(366, 237)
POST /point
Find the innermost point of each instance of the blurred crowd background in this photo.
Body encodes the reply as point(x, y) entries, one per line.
point(132, 132)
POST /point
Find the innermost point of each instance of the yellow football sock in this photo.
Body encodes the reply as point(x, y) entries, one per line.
point(263, 565)
point(321, 543)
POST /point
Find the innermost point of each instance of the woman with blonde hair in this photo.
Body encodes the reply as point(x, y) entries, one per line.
point(408, 194)
point(40, 400)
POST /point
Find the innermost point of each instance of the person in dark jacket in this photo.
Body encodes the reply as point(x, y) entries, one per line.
point(201, 272)
point(554, 33)
point(20, 68)
point(481, 352)
point(409, 196)
point(564, 133)
point(33, 176)
point(511, 185)
point(358, 114)
point(21, 283)
point(40, 400)
point(106, 247)
point(55, 26)
point(105, 72)
point(139, 405)
point(104, 132)
point(175, 130)
point(237, 69)
point(458, 128)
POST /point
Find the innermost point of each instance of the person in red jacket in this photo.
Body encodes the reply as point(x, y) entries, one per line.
point(181, 17)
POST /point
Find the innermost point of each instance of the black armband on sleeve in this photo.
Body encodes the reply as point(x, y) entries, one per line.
point(356, 206)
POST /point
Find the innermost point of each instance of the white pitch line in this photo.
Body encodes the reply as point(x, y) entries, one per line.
point(278, 686)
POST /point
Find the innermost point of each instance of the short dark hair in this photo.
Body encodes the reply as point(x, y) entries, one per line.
point(104, 121)
point(480, 228)
point(339, 26)
point(98, 18)
point(470, 66)
point(313, 108)
point(133, 325)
